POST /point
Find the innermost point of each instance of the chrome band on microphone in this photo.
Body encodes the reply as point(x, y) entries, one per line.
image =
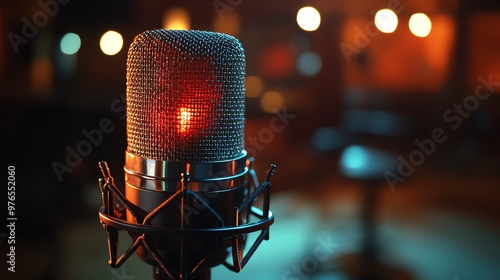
point(158, 175)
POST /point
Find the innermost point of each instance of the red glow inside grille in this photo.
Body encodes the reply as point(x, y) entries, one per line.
point(187, 111)
point(192, 120)
point(185, 96)
point(184, 120)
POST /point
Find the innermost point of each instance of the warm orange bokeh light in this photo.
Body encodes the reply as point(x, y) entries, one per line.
point(42, 75)
point(401, 62)
point(177, 19)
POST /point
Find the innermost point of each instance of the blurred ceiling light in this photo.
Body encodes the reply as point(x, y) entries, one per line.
point(272, 101)
point(176, 19)
point(111, 42)
point(230, 24)
point(253, 86)
point(386, 20)
point(308, 18)
point(420, 25)
point(309, 64)
point(70, 43)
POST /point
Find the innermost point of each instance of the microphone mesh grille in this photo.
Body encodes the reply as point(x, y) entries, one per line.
point(185, 96)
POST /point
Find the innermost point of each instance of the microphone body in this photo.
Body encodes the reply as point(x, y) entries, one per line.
point(189, 187)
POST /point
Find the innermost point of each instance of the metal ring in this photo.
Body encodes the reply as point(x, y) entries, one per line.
point(188, 232)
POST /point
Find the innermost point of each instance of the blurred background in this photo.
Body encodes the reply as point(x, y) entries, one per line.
point(382, 116)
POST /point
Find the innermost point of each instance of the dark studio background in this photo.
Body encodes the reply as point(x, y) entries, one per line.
point(440, 223)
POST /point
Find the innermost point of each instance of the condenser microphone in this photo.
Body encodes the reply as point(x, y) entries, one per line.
point(189, 187)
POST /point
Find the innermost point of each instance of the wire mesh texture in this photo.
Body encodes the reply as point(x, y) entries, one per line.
point(185, 96)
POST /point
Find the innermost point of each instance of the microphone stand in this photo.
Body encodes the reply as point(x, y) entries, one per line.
point(159, 274)
point(111, 213)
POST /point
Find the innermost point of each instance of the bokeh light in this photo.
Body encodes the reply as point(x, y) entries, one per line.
point(41, 75)
point(309, 64)
point(362, 162)
point(111, 42)
point(326, 139)
point(386, 20)
point(277, 61)
point(176, 19)
point(230, 25)
point(308, 18)
point(354, 157)
point(272, 101)
point(70, 43)
point(420, 25)
point(253, 86)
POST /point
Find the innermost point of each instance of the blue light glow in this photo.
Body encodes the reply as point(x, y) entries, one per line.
point(309, 64)
point(354, 157)
point(70, 43)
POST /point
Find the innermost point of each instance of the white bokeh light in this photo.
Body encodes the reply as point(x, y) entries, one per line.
point(308, 18)
point(420, 25)
point(386, 20)
point(111, 42)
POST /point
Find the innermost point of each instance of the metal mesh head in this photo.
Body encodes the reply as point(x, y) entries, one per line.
point(185, 96)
